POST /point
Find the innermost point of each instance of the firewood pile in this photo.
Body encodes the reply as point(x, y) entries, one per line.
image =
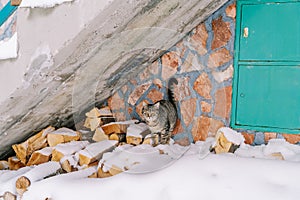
point(55, 151)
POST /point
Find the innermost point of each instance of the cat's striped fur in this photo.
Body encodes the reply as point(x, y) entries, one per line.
point(161, 116)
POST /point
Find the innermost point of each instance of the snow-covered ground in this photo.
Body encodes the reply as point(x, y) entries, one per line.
point(250, 173)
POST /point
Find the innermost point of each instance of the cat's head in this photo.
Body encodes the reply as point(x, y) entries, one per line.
point(150, 112)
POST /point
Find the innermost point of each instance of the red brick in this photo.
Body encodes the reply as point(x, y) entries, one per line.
point(223, 102)
point(203, 86)
point(269, 136)
point(231, 11)
point(188, 109)
point(115, 102)
point(138, 92)
point(219, 58)
point(199, 39)
point(222, 33)
point(249, 138)
point(292, 138)
point(155, 95)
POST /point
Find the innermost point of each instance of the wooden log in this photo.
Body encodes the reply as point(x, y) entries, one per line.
point(40, 156)
point(36, 142)
point(22, 184)
point(114, 127)
point(136, 133)
point(9, 196)
point(94, 113)
point(15, 163)
point(94, 151)
point(62, 135)
point(114, 170)
point(99, 135)
point(37, 173)
point(121, 137)
point(102, 174)
point(151, 139)
point(65, 149)
point(4, 165)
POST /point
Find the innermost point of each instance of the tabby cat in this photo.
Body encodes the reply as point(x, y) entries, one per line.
point(161, 116)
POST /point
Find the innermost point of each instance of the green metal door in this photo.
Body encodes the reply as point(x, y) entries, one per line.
point(269, 96)
point(273, 32)
point(266, 85)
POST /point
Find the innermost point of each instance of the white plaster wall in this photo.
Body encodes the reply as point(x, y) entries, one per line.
point(52, 27)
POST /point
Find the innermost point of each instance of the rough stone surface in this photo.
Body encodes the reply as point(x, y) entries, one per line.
point(138, 92)
point(183, 141)
point(205, 107)
point(292, 138)
point(231, 11)
point(223, 102)
point(203, 86)
point(188, 109)
point(222, 33)
point(205, 126)
point(223, 75)
point(181, 90)
point(199, 38)
point(249, 138)
point(219, 58)
point(115, 102)
point(269, 136)
point(169, 64)
point(178, 128)
point(155, 95)
point(191, 63)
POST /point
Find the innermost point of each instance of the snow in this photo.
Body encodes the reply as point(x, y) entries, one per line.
point(42, 3)
point(136, 130)
point(94, 149)
point(9, 48)
point(65, 131)
point(193, 173)
point(71, 147)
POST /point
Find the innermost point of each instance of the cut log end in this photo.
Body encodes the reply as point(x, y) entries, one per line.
point(22, 184)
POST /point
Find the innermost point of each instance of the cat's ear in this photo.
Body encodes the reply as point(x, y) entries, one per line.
point(157, 105)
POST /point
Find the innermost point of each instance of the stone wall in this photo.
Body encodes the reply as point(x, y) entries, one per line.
point(203, 65)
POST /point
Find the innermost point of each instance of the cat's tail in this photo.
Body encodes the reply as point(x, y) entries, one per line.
point(171, 95)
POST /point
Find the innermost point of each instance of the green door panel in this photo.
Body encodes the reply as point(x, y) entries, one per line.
point(268, 96)
point(273, 32)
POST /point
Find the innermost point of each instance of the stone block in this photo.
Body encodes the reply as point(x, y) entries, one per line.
point(183, 141)
point(222, 33)
point(155, 95)
point(203, 86)
point(191, 63)
point(223, 75)
point(249, 138)
point(223, 102)
point(205, 107)
point(178, 128)
point(219, 58)
point(181, 90)
point(269, 136)
point(138, 92)
point(291, 138)
point(170, 62)
point(188, 110)
point(204, 126)
point(199, 39)
point(115, 102)
point(231, 11)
